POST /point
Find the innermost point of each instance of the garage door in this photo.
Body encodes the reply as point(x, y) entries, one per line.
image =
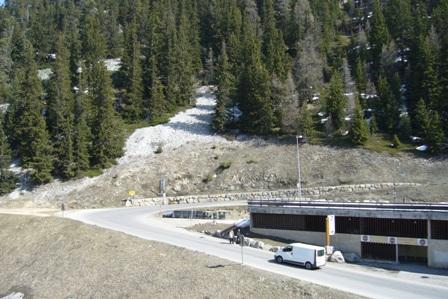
point(378, 251)
point(409, 253)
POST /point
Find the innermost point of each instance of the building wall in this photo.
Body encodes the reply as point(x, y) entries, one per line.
point(343, 242)
point(438, 253)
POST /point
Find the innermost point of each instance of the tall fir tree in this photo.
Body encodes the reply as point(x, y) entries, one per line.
point(420, 119)
point(434, 132)
point(378, 37)
point(254, 91)
point(60, 113)
point(387, 108)
point(132, 106)
point(225, 91)
point(107, 132)
point(305, 124)
point(440, 15)
point(336, 101)
point(30, 132)
point(81, 134)
point(7, 178)
point(359, 132)
point(273, 47)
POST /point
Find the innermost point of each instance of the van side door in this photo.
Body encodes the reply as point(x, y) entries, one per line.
point(287, 253)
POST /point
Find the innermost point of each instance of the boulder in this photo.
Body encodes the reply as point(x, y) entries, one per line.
point(274, 249)
point(337, 257)
point(17, 295)
point(352, 257)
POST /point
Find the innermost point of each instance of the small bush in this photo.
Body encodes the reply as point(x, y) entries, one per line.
point(159, 149)
point(251, 161)
point(92, 172)
point(396, 141)
point(225, 165)
point(208, 178)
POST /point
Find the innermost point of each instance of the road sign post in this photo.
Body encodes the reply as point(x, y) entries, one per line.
point(330, 231)
point(241, 237)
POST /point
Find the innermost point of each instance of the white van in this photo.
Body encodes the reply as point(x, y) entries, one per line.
point(306, 255)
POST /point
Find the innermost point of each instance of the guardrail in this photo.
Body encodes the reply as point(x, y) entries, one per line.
point(350, 205)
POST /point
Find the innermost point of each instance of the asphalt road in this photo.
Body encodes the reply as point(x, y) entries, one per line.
point(142, 223)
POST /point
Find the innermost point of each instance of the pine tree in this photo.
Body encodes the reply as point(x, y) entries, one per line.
point(421, 119)
point(225, 82)
point(184, 50)
point(336, 101)
point(60, 116)
point(440, 15)
point(273, 48)
point(93, 42)
point(387, 108)
point(360, 75)
point(30, 133)
point(306, 127)
point(434, 133)
point(398, 16)
point(157, 103)
point(82, 134)
point(359, 132)
point(7, 179)
point(132, 106)
point(378, 36)
point(430, 83)
point(254, 92)
point(107, 133)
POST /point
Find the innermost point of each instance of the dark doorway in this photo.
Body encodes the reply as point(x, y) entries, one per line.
point(415, 254)
point(378, 251)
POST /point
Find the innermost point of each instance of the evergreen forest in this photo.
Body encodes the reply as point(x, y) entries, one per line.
point(350, 69)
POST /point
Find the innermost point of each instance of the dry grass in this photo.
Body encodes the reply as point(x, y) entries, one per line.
point(57, 258)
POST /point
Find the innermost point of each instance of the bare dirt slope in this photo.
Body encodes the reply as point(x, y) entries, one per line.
point(58, 258)
point(193, 158)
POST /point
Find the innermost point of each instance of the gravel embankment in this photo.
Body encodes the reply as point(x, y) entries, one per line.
point(58, 258)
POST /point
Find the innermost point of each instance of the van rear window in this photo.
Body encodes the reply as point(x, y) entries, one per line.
point(321, 252)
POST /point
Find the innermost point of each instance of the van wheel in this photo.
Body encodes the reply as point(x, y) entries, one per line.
point(308, 266)
point(279, 259)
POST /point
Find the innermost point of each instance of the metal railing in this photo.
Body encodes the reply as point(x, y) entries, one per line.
point(282, 202)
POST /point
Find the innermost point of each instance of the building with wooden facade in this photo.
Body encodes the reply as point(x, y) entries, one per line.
point(379, 231)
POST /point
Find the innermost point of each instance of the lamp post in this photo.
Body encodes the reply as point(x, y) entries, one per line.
point(299, 187)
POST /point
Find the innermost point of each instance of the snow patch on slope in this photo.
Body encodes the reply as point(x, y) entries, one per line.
point(190, 126)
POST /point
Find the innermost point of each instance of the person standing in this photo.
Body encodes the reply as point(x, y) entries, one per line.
point(231, 236)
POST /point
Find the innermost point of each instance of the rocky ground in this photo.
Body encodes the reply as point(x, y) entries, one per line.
point(57, 258)
point(194, 160)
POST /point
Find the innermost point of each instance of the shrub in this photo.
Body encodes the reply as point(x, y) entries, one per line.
point(159, 149)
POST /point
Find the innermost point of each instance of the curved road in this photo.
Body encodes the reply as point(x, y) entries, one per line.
point(141, 222)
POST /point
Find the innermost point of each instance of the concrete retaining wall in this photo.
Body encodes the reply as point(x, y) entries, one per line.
point(438, 253)
point(278, 194)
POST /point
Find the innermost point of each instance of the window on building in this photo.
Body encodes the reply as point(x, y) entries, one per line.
point(408, 228)
point(439, 229)
point(289, 222)
point(347, 225)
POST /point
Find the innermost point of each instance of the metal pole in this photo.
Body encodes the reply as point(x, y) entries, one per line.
point(396, 173)
point(299, 187)
point(242, 245)
point(396, 252)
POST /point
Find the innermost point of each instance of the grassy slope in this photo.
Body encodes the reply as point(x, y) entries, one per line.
point(56, 258)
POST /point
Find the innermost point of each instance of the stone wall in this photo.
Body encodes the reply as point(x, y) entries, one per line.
point(315, 192)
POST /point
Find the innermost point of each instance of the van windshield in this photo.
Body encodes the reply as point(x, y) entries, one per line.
point(320, 252)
